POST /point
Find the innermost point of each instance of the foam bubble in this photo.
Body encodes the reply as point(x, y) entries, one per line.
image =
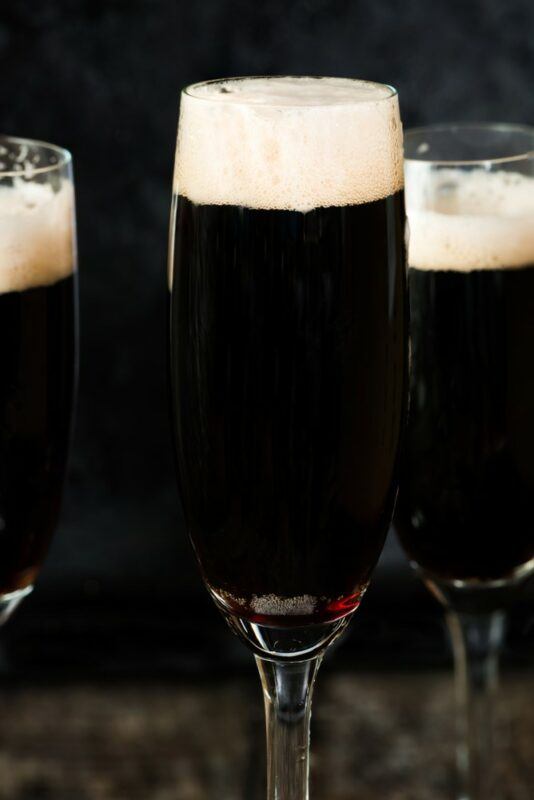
point(469, 220)
point(270, 605)
point(288, 143)
point(36, 235)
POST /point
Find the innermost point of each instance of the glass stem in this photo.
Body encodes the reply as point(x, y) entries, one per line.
point(287, 691)
point(477, 640)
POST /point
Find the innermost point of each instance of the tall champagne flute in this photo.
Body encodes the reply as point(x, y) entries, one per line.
point(467, 485)
point(288, 366)
point(37, 353)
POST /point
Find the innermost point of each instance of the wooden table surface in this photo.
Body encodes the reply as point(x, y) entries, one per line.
point(387, 736)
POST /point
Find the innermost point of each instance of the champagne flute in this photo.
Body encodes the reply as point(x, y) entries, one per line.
point(467, 487)
point(288, 364)
point(38, 350)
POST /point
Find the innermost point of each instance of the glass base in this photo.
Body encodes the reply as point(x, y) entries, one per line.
point(286, 644)
point(9, 602)
point(477, 596)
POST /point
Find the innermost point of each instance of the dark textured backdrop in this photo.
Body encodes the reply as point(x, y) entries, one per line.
point(102, 77)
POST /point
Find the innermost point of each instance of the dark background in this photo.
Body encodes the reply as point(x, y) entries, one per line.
point(102, 78)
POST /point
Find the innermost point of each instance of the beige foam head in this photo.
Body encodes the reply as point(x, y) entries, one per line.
point(36, 234)
point(288, 143)
point(469, 220)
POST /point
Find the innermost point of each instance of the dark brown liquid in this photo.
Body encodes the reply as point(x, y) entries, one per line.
point(37, 353)
point(467, 488)
point(288, 369)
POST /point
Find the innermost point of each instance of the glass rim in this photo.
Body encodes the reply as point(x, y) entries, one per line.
point(64, 157)
point(510, 127)
point(189, 89)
